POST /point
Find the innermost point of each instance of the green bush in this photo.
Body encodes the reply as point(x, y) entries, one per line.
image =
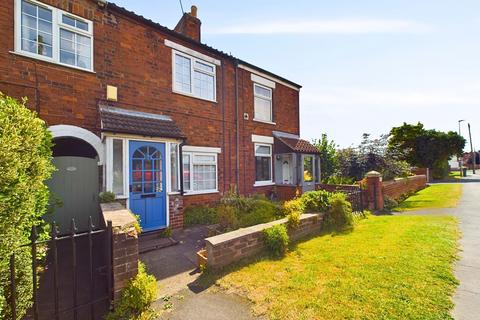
point(339, 216)
point(389, 203)
point(106, 197)
point(293, 219)
point(295, 205)
point(227, 217)
point(261, 211)
point(136, 298)
point(440, 169)
point(316, 201)
point(200, 215)
point(25, 164)
point(276, 240)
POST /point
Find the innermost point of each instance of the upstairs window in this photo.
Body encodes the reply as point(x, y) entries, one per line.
point(194, 77)
point(51, 34)
point(262, 103)
point(37, 29)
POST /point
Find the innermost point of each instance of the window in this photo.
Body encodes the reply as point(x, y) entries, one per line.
point(262, 103)
point(117, 167)
point(263, 163)
point(194, 77)
point(174, 167)
point(49, 33)
point(199, 172)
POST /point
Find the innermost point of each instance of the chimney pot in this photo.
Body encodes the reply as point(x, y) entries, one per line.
point(193, 11)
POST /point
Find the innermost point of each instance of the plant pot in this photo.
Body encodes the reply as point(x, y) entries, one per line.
point(202, 258)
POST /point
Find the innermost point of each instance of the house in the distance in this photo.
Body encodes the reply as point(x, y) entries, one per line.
point(150, 113)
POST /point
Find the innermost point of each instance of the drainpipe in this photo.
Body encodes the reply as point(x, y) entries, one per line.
point(237, 124)
point(180, 154)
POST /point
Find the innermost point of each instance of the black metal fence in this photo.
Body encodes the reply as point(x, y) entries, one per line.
point(356, 198)
point(75, 279)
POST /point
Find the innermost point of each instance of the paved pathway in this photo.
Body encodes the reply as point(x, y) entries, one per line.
point(467, 269)
point(467, 297)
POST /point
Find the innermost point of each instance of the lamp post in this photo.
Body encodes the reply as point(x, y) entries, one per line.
point(459, 159)
point(473, 155)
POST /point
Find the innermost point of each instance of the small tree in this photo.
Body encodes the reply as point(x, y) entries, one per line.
point(328, 156)
point(25, 164)
point(425, 148)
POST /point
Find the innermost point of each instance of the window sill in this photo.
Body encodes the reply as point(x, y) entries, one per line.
point(263, 183)
point(121, 197)
point(193, 193)
point(264, 121)
point(173, 193)
point(41, 58)
point(192, 96)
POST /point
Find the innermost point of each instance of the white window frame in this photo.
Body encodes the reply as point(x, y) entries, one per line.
point(192, 92)
point(192, 162)
point(109, 166)
point(57, 24)
point(179, 170)
point(255, 95)
point(263, 182)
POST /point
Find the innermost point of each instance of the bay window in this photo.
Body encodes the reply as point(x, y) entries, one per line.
point(263, 164)
point(193, 76)
point(51, 34)
point(199, 172)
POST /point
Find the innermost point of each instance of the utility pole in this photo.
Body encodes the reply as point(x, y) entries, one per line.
point(473, 155)
point(459, 159)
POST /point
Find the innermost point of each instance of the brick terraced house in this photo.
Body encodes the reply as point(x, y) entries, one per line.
point(149, 113)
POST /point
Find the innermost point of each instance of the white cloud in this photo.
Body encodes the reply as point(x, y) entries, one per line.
point(336, 26)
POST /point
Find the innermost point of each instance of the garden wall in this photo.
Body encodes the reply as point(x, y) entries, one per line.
point(396, 188)
point(230, 247)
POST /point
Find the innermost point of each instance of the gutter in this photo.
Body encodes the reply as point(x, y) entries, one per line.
point(237, 124)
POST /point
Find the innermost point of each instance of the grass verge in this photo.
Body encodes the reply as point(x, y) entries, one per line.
point(434, 196)
point(389, 267)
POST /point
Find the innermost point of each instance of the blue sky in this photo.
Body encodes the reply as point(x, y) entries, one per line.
point(365, 66)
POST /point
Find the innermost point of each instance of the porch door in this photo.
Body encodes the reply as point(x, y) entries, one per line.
point(147, 183)
point(308, 173)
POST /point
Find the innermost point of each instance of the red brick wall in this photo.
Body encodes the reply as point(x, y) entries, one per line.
point(132, 56)
point(395, 189)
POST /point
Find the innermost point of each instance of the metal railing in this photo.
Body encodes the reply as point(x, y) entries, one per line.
point(68, 245)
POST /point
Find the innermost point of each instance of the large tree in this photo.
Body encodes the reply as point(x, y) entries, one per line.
point(425, 148)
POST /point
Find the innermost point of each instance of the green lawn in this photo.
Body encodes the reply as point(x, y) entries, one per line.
point(389, 267)
point(434, 196)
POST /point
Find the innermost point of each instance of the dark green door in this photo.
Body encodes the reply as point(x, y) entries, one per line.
point(76, 185)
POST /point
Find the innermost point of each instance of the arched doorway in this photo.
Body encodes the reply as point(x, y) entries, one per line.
point(75, 185)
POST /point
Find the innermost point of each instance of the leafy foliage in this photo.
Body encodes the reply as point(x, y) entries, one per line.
point(136, 298)
point(200, 215)
point(106, 197)
point(339, 216)
point(328, 156)
point(425, 148)
point(25, 164)
point(276, 240)
point(316, 201)
point(227, 217)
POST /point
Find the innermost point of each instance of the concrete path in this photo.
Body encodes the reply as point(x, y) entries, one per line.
point(467, 297)
point(467, 269)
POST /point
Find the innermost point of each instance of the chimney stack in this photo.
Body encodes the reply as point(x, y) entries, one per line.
point(189, 25)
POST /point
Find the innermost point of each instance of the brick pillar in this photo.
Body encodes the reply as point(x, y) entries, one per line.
point(124, 245)
point(374, 190)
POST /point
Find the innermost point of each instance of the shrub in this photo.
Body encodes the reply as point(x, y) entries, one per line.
point(200, 215)
point(106, 197)
point(295, 205)
point(227, 217)
point(166, 233)
point(276, 240)
point(261, 211)
point(316, 201)
point(136, 298)
point(293, 219)
point(389, 203)
point(339, 216)
point(340, 180)
point(25, 164)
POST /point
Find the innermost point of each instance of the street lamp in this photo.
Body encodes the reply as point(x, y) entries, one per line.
point(473, 155)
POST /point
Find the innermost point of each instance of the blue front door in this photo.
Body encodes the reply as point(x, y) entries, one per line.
point(147, 183)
